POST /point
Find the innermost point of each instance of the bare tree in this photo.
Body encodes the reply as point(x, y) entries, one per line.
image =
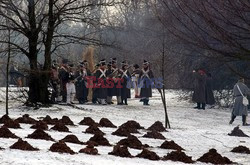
point(41, 27)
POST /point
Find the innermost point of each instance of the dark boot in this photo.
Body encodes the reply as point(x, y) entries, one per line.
point(146, 102)
point(198, 106)
point(203, 106)
point(125, 102)
point(232, 119)
point(244, 120)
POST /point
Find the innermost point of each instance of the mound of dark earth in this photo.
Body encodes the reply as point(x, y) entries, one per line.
point(6, 133)
point(132, 142)
point(214, 157)
point(121, 151)
point(23, 145)
point(171, 145)
point(94, 130)
point(154, 135)
point(40, 134)
point(98, 139)
point(146, 154)
point(104, 122)
point(40, 125)
point(49, 120)
point(71, 139)
point(12, 124)
point(90, 150)
point(61, 147)
point(26, 119)
point(60, 127)
point(157, 126)
point(4, 119)
point(178, 156)
point(237, 132)
point(88, 121)
point(122, 132)
point(241, 149)
point(66, 120)
point(133, 125)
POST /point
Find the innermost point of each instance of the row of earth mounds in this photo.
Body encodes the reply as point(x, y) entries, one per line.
point(71, 139)
point(23, 145)
point(171, 145)
point(90, 150)
point(94, 130)
point(241, 149)
point(132, 142)
point(154, 135)
point(6, 133)
point(237, 132)
point(61, 147)
point(178, 156)
point(40, 134)
point(60, 127)
point(214, 157)
point(40, 125)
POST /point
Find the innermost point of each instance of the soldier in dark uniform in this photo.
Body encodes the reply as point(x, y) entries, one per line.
point(110, 90)
point(116, 90)
point(145, 81)
point(101, 76)
point(55, 82)
point(64, 78)
point(81, 82)
point(95, 90)
point(125, 76)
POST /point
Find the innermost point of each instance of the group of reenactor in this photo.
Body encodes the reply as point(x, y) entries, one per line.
point(106, 81)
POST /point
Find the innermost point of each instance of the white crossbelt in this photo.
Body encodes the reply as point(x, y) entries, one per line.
point(103, 73)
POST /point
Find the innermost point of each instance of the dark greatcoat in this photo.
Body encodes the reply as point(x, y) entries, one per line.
point(199, 95)
point(113, 91)
point(125, 91)
point(101, 92)
point(145, 84)
point(64, 78)
point(209, 91)
point(81, 90)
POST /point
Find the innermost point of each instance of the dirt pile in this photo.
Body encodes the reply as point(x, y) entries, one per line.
point(90, 149)
point(88, 121)
point(178, 156)
point(121, 151)
point(94, 130)
point(60, 127)
point(122, 132)
point(66, 120)
point(23, 145)
point(12, 124)
point(6, 133)
point(133, 125)
point(104, 122)
point(98, 139)
point(154, 135)
point(61, 147)
point(157, 126)
point(132, 142)
point(171, 145)
point(237, 132)
point(40, 134)
point(40, 125)
point(4, 119)
point(26, 119)
point(146, 154)
point(241, 149)
point(215, 158)
point(49, 120)
point(71, 139)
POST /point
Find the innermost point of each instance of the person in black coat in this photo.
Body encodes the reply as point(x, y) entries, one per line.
point(145, 82)
point(209, 90)
point(125, 76)
point(101, 76)
point(95, 90)
point(64, 78)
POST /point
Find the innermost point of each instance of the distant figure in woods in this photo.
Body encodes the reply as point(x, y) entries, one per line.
point(199, 95)
point(15, 75)
point(209, 90)
point(239, 109)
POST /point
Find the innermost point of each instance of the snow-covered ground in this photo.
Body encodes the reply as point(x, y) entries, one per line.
point(196, 131)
